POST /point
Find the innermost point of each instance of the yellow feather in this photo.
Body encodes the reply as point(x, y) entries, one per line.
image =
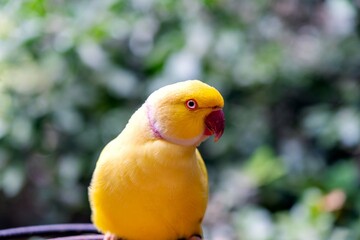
point(145, 187)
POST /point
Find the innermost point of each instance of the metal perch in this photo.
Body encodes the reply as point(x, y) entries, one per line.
point(53, 232)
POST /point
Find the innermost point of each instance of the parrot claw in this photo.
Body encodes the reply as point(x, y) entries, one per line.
point(109, 236)
point(195, 237)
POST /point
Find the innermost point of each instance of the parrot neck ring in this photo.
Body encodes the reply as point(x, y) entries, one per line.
point(155, 131)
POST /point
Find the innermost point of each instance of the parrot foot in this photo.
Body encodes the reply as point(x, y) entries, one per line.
point(195, 237)
point(110, 236)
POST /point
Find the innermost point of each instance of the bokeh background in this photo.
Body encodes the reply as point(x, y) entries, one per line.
point(287, 167)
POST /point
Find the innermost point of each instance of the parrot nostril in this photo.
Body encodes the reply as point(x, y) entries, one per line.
point(216, 107)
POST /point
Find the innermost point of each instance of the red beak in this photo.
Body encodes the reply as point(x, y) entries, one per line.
point(215, 124)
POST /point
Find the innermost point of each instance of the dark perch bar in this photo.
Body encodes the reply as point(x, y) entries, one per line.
point(55, 231)
point(83, 237)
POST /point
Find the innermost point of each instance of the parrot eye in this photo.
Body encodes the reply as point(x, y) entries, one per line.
point(191, 104)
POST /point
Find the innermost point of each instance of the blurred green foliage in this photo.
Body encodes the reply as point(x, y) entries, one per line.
point(287, 167)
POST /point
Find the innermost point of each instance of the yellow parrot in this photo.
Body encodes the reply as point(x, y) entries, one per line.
point(150, 182)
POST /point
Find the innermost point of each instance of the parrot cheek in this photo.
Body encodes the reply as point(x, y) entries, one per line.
point(215, 124)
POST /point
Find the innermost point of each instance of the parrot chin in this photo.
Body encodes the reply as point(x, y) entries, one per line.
point(215, 124)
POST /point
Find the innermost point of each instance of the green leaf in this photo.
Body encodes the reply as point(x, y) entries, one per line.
point(264, 166)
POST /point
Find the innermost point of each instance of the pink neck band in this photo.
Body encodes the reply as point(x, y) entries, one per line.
point(151, 123)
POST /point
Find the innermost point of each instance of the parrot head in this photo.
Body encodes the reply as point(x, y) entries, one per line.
point(186, 113)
